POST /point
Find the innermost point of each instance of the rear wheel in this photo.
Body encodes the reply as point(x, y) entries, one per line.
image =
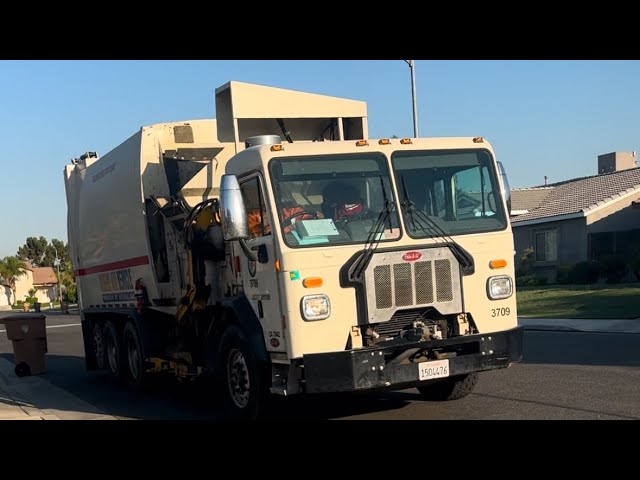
point(241, 380)
point(98, 346)
point(112, 349)
point(452, 388)
point(135, 364)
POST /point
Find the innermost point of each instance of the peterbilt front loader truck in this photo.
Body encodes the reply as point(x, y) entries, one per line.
point(279, 250)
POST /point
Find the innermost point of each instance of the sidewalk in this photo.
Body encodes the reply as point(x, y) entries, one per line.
point(35, 398)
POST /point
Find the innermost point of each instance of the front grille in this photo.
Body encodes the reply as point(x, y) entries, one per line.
point(383, 286)
point(403, 283)
point(424, 282)
point(394, 283)
point(444, 293)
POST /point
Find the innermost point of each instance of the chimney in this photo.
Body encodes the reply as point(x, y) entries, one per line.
point(616, 162)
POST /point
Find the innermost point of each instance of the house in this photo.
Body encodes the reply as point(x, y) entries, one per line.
point(5, 296)
point(42, 279)
point(580, 219)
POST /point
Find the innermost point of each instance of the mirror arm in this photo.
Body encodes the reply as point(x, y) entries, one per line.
point(251, 255)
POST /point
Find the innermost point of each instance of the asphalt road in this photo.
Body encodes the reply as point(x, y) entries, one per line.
point(564, 375)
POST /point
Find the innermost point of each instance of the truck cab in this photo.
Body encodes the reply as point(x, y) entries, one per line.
point(385, 263)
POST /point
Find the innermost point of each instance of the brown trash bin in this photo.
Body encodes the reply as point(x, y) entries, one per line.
point(28, 334)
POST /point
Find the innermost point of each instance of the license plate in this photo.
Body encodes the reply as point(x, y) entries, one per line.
point(435, 369)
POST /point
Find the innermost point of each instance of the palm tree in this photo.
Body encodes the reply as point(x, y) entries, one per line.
point(10, 269)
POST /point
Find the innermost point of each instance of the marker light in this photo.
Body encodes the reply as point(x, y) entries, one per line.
point(312, 282)
point(494, 264)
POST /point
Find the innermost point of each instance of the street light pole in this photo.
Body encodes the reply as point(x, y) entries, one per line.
point(59, 292)
point(412, 66)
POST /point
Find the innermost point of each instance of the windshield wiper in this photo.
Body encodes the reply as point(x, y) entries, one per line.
point(434, 231)
point(373, 239)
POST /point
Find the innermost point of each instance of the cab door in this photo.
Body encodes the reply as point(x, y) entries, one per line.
point(259, 278)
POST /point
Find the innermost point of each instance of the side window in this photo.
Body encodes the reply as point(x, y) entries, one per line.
point(438, 199)
point(257, 217)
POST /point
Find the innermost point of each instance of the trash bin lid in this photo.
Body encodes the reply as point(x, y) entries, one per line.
point(23, 317)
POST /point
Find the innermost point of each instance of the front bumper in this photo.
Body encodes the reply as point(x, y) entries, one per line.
point(374, 368)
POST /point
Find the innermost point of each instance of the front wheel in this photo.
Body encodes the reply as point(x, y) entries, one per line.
point(452, 388)
point(240, 377)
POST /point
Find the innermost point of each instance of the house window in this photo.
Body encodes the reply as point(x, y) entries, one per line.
point(546, 246)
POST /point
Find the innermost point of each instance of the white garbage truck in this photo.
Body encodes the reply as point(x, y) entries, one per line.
point(280, 250)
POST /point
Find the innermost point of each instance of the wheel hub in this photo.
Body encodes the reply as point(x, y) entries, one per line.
point(98, 347)
point(133, 356)
point(112, 355)
point(238, 375)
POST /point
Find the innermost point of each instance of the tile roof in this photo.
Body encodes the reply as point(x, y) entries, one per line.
point(576, 195)
point(44, 275)
point(528, 198)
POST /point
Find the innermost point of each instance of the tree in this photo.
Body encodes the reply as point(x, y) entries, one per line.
point(35, 251)
point(41, 253)
point(10, 269)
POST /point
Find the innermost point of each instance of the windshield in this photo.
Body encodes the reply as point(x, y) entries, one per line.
point(457, 189)
point(334, 199)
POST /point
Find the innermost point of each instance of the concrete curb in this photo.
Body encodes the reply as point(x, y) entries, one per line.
point(573, 325)
point(33, 398)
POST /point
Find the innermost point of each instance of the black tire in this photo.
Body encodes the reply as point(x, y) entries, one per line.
point(452, 388)
point(113, 350)
point(134, 364)
point(98, 346)
point(241, 381)
point(22, 370)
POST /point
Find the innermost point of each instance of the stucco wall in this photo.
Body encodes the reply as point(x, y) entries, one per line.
point(5, 297)
point(572, 243)
point(23, 284)
point(616, 217)
point(45, 294)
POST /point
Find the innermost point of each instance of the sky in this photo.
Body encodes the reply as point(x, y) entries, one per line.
point(542, 118)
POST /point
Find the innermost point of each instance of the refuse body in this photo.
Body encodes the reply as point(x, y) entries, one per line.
point(28, 334)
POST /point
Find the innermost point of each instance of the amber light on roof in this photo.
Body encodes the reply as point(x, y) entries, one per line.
point(362, 143)
point(277, 148)
point(406, 141)
point(384, 141)
point(478, 140)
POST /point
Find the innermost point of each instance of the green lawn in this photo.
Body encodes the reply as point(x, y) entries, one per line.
point(578, 301)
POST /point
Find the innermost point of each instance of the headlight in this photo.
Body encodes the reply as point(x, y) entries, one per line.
point(499, 287)
point(315, 307)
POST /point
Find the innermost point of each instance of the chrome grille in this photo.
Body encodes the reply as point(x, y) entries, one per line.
point(382, 275)
point(394, 282)
point(403, 284)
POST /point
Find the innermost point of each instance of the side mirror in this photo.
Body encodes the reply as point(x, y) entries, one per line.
point(506, 190)
point(233, 214)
